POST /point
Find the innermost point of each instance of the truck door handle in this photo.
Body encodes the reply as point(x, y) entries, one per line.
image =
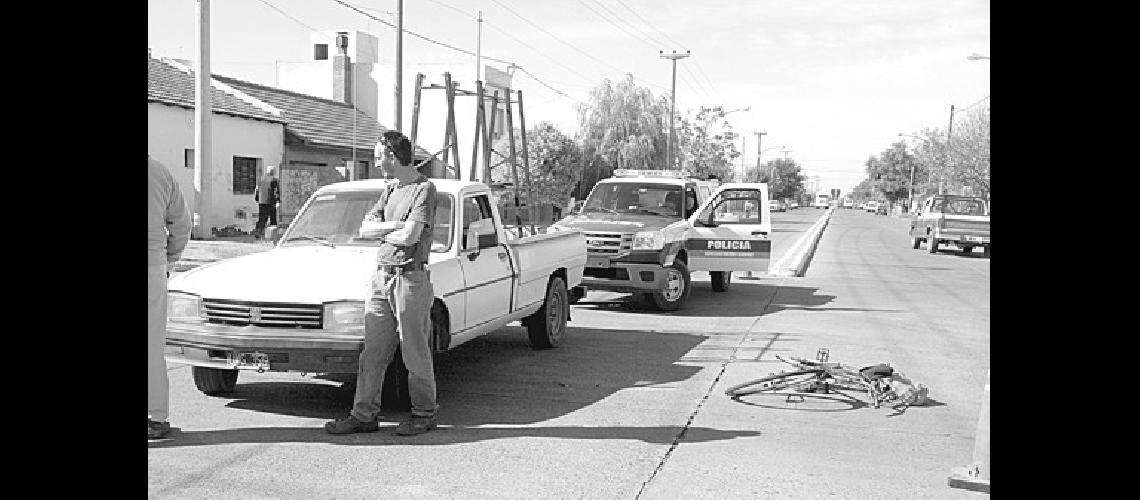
point(762, 233)
point(502, 256)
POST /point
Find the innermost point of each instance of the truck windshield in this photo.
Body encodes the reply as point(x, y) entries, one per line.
point(335, 218)
point(952, 206)
point(629, 197)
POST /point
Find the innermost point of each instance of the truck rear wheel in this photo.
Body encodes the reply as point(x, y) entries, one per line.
point(967, 249)
point(676, 288)
point(214, 381)
point(546, 327)
point(721, 280)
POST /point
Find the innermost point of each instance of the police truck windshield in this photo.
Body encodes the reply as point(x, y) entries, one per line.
point(630, 198)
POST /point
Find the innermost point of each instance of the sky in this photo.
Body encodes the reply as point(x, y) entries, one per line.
point(830, 82)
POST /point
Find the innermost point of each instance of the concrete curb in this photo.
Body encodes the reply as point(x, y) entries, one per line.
point(795, 262)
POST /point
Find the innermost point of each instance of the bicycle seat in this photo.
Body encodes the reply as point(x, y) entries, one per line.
point(876, 372)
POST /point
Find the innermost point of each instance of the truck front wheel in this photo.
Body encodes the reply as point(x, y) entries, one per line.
point(214, 381)
point(721, 280)
point(546, 327)
point(676, 288)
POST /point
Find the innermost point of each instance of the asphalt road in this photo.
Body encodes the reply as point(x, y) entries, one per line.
point(632, 404)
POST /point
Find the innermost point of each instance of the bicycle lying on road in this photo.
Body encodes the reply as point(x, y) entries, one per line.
point(880, 382)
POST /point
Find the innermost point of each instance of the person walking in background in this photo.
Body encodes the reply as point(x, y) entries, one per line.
point(398, 312)
point(267, 195)
point(168, 231)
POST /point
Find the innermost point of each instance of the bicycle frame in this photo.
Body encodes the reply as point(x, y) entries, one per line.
point(832, 375)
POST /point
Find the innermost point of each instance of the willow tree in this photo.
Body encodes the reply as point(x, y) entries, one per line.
point(554, 160)
point(621, 126)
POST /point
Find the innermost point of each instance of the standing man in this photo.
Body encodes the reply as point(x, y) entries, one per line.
point(168, 230)
point(267, 195)
point(398, 313)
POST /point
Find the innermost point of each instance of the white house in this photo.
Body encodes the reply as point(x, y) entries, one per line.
point(247, 136)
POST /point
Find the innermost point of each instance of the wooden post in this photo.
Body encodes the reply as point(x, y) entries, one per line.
point(526, 164)
point(479, 126)
point(446, 124)
point(489, 133)
point(416, 115)
point(514, 168)
point(451, 126)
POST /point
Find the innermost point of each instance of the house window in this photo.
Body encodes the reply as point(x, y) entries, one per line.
point(188, 158)
point(321, 51)
point(245, 175)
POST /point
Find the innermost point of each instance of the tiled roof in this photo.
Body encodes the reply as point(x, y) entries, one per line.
point(171, 83)
point(316, 120)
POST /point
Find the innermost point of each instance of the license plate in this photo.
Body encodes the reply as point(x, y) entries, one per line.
point(597, 262)
point(252, 361)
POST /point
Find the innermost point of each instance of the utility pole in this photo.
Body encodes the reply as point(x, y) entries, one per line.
point(946, 164)
point(203, 171)
point(759, 136)
point(672, 107)
point(399, 65)
point(479, 48)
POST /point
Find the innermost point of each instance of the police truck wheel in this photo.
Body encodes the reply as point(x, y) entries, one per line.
point(676, 288)
point(547, 325)
point(967, 249)
point(214, 381)
point(721, 280)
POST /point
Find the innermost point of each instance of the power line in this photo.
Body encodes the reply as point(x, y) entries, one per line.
point(456, 48)
point(528, 21)
point(611, 23)
point(298, 21)
point(650, 25)
point(417, 35)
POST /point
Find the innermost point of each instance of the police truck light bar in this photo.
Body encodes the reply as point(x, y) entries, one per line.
point(672, 174)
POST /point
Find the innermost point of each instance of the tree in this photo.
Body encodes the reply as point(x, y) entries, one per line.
point(554, 160)
point(784, 177)
point(708, 144)
point(621, 126)
point(890, 172)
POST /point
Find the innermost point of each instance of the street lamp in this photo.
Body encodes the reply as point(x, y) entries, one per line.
point(743, 141)
point(673, 106)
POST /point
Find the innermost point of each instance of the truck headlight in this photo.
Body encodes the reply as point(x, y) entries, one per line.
point(346, 317)
point(648, 240)
point(184, 308)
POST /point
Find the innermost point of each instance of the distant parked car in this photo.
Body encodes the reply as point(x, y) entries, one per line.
point(881, 209)
point(794, 204)
point(775, 206)
point(848, 204)
point(870, 206)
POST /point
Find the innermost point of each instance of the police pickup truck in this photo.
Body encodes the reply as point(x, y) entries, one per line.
point(300, 306)
point(961, 220)
point(647, 230)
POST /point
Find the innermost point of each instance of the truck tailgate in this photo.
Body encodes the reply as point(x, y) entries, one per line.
point(540, 255)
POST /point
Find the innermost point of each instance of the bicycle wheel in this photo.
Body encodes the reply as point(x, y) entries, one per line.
point(792, 381)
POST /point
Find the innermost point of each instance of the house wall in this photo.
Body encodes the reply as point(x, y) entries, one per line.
point(170, 131)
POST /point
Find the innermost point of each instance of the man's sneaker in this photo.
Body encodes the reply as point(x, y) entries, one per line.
point(157, 430)
point(349, 425)
point(416, 425)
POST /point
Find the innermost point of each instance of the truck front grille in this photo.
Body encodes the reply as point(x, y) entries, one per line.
point(608, 243)
point(267, 314)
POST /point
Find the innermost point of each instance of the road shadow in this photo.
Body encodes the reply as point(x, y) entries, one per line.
point(499, 379)
point(446, 434)
point(745, 298)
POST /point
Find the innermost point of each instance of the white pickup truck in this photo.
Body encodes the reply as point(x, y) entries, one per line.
point(300, 306)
